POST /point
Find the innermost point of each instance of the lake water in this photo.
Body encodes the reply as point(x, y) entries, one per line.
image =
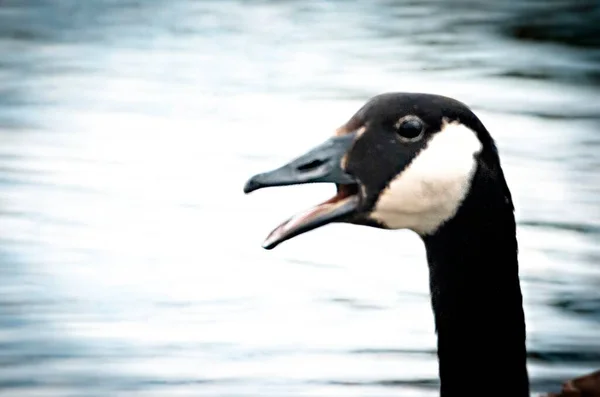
point(131, 260)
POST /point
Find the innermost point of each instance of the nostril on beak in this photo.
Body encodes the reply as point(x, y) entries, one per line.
point(310, 165)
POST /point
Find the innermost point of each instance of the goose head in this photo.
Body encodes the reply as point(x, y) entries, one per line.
point(402, 161)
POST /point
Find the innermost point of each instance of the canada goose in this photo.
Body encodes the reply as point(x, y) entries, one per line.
point(426, 163)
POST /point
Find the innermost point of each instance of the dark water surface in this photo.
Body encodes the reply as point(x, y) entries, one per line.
point(130, 259)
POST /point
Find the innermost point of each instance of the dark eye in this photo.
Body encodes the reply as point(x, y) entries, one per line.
point(410, 129)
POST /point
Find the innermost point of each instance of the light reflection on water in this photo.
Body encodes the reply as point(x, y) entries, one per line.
point(131, 260)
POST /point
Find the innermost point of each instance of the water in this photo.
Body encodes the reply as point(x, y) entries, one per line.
point(131, 260)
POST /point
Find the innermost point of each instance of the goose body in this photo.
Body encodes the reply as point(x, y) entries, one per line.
point(427, 163)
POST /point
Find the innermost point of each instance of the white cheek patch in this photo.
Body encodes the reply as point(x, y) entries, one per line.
point(430, 190)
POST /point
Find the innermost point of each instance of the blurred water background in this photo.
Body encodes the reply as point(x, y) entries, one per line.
point(130, 259)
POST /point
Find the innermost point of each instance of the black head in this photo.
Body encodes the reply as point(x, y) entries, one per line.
point(403, 161)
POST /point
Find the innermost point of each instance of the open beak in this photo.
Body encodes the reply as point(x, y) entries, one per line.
point(321, 164)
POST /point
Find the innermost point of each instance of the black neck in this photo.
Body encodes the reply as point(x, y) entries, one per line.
point(476, 297)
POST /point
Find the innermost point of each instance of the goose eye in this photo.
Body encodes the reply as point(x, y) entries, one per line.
point(410, 129)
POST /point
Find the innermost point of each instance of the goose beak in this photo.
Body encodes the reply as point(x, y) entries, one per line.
point(322, 164)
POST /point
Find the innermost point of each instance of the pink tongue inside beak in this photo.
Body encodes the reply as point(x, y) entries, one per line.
point(336, 208)
point(293, 223)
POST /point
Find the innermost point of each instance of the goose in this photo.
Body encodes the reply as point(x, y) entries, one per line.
point(426, 163)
